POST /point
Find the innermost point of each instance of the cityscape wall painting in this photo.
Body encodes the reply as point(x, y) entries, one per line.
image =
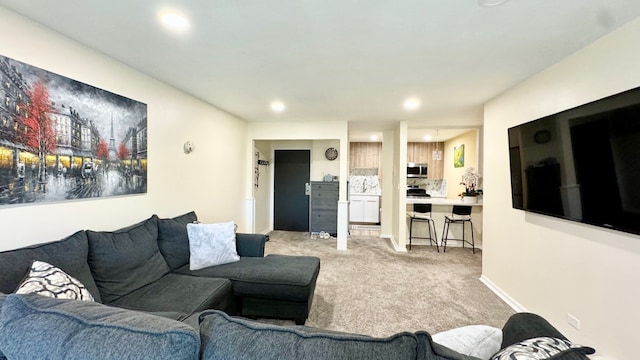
point(62, 140)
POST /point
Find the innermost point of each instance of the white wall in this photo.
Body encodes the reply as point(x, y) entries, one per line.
point(453, 175)
point(210, 180)
point(551, 266)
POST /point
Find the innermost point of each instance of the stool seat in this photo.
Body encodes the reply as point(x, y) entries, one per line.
point(460, 214)
point(422, 213)
point(419, 215)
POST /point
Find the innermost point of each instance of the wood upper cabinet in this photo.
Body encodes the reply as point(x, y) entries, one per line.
point(366, 155)
point(422, 152)
point(369, 155)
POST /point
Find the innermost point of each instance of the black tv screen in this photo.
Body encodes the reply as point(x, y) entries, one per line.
point(582, 164)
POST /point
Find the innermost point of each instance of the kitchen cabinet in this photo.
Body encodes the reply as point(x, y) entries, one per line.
point(323, 214)
point(364, 208)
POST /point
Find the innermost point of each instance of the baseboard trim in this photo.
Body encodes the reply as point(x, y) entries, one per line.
point(516, 306)
point(393, 242)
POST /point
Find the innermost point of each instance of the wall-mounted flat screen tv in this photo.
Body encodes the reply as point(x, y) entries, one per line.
point(582, 164)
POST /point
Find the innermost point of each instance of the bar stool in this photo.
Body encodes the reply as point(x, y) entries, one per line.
point(460, 214)
point(422, 213)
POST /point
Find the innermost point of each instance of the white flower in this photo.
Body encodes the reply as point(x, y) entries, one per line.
point(470, 180)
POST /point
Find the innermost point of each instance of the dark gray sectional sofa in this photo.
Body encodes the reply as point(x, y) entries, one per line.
point(39, 327)
point(146, 267)
point(149, 305)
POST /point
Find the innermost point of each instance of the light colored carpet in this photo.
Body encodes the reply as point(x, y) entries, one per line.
point(373, 290)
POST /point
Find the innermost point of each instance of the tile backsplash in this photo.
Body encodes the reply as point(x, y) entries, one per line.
point(364, 184)
point(434, 187)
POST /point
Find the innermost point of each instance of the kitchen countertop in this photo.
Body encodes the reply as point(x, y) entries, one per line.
point(439, 201)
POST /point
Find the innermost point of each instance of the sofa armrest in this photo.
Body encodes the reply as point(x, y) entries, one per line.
point(523, 326)
point(250, 245)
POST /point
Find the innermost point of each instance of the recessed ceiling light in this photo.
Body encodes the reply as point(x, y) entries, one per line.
point(174, 20)
point(411, 104)
point(278, 106)
point(373, 137)
point(491, 3)
point(427, 137)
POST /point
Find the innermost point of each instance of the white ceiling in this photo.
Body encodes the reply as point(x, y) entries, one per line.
point(353, 60)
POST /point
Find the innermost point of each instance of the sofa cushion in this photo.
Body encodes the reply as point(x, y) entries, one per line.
point(211, 245)
point(180, 293)
point(274, 276)
point(224, 337)
point(125, 260)
point(173, 239)
point(543, 348)
point(68, 254)
point(481, 341)
point(34, 327)
point(47, 280)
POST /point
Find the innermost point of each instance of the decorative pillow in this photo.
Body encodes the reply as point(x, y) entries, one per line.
point(47, 280)
point(224, 337)
point(37, 327)
point(541, 348)
point(480, 341)
point(211, 244)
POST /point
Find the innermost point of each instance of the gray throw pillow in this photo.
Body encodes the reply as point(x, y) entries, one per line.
point(125, 260)
point(480, 341)
point(36, 327)
point(224, 337)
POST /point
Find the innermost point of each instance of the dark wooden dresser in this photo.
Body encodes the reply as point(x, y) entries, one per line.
point(323, 214)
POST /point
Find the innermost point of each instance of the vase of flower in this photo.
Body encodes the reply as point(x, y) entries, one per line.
point(470, 199)
point(470, 182)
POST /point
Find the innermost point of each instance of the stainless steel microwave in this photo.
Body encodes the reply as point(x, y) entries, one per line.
point(416, 170)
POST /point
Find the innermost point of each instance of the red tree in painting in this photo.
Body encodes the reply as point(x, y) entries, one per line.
point(40, 134)
point(123, 152)
point(103, 150)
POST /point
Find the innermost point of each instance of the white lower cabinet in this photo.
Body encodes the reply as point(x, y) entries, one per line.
point(364, 208)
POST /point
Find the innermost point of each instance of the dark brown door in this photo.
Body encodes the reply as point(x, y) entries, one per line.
point(291, 204)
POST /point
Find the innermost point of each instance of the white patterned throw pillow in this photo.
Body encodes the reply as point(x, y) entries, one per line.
point(540, 348)
point(47, 280)
point(211, 244)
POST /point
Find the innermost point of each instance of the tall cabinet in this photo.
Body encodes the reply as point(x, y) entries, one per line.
point(323, 214)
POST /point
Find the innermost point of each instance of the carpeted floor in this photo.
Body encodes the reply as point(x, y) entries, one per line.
point(371, 289)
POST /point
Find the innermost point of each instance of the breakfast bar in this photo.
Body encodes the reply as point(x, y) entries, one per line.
point(440, 207)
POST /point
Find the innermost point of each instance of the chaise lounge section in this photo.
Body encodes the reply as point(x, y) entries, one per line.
point(145, 267)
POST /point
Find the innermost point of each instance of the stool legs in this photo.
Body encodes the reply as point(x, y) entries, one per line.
point(410, 231)
point(445, 234)
point(433, 237)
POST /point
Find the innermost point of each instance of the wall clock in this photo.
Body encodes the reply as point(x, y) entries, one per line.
point(331, 153)
point(542, 136)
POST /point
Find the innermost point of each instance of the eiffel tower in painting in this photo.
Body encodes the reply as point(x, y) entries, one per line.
point(112, 144)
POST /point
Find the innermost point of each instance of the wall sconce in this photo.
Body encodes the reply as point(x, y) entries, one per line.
point(189, 147)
